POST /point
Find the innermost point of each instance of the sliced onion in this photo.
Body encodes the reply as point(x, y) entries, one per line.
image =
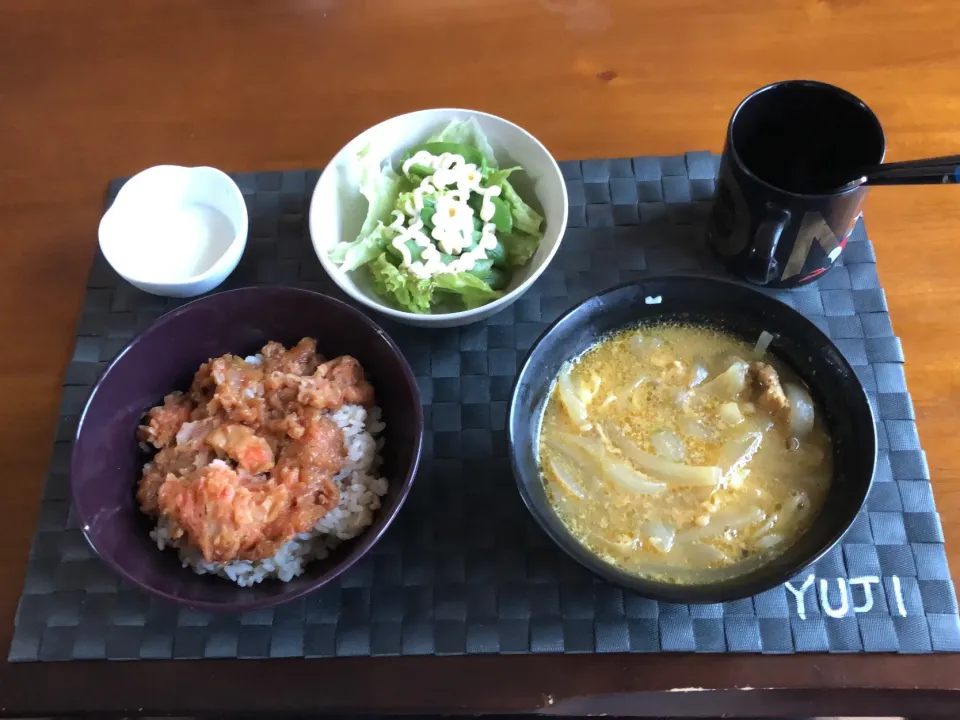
point(592, 446)
point(698, 373)
point(566, 479)
point(671, 472)
point(659, 535)
point(695, 429)
point(801, 410)
point(731, 519)
point(767, 526)
point(730, 382)
point(627, 478)
point(736, 479)
point(587, 391)
point(564, 504)
point(641, 346)
point(736, 453)
point(730, 413)
point(761, 423)
point(627, 396)
point(625, 547)
point(669, 445)
point(571, 401)
point(769, 541)
point(703, 554)
point(760, 349)
point(635, 345)
point(582, 463)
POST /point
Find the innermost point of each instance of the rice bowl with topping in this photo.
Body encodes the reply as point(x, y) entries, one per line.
point(267, 463)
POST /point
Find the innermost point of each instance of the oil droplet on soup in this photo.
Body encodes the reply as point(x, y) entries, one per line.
point(682, 454)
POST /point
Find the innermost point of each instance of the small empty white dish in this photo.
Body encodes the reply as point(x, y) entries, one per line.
point(175, 231)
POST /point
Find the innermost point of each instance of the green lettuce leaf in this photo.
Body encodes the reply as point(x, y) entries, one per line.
point(496, 177)
point(381, 186)
point(472, 290)
point(519, 248)
point(467, 132)
point(525, 218)
point(350, 256)
point(406, 291)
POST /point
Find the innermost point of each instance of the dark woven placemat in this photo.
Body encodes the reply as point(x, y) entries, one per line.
point(464, 569)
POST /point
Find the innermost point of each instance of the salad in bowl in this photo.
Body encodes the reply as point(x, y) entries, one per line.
point(439, 217)
point(448, 228)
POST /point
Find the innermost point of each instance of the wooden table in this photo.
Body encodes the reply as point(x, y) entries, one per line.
point(90, 91)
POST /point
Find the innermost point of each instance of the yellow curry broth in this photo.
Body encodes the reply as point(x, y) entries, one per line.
point(638, 383)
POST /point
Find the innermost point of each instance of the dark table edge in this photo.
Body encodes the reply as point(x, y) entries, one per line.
point(620, 685)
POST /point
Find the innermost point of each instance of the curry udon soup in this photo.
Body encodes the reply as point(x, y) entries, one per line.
point(681, 454)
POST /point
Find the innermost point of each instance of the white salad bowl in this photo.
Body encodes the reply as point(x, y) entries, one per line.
point(337, 209)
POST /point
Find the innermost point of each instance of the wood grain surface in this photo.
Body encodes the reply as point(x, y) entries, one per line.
point(91, 91)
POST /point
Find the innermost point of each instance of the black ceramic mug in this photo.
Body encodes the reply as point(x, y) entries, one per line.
point(779, 218)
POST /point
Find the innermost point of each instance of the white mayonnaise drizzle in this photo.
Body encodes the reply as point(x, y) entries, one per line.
point(413, 232)
point(453, 218)
point(487, 209)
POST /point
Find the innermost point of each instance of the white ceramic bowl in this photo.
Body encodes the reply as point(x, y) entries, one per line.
point(337, 208)
point(175, 231)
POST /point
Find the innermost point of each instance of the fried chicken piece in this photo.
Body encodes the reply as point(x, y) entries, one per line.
point(310, 463)
point(235, 516)
point(770, 396)
point(290, 425)
point(266, 418)
point(164, 421)
point(301, 359)
point(347, 374)
point(193, 435)
point(319, 393)
point(335, 383)
point(201, 390)
point(169, 462)
point(238, 389)
point(221, 513)
point(238, 442)
point(281, 391)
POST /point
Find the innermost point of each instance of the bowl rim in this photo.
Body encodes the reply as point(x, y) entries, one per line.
point(690, 594)
point(218, 265)
point(430, 318)
point(364, 542)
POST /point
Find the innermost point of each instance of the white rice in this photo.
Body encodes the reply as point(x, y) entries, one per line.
point(360, 493)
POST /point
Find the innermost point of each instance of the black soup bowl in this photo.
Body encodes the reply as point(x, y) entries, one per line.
point(741, 311)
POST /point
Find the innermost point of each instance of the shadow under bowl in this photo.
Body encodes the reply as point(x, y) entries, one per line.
point(107, 461)
point(743, 312)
